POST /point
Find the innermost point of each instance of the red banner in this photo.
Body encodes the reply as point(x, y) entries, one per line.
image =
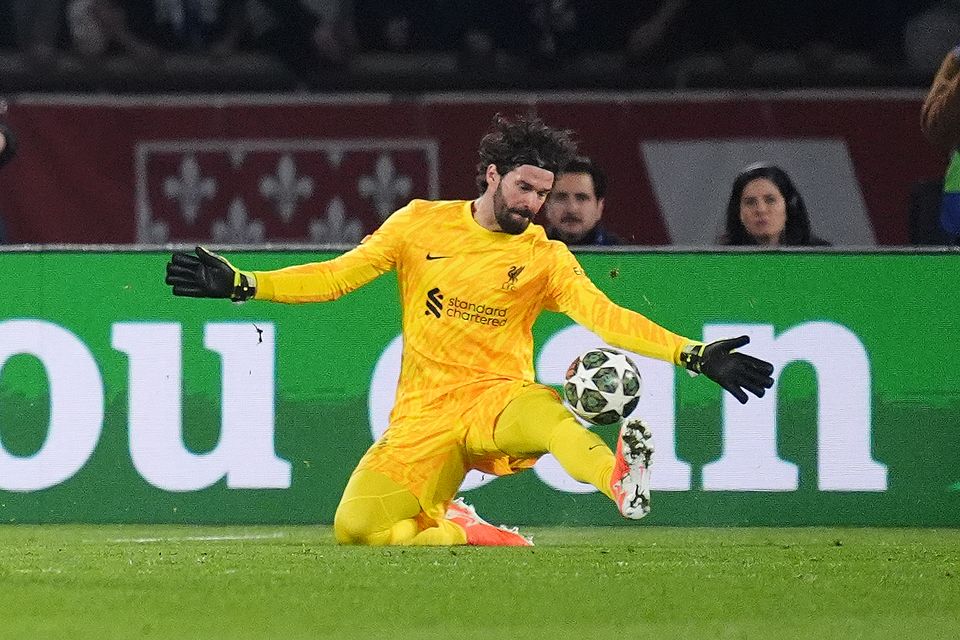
point(252, 170)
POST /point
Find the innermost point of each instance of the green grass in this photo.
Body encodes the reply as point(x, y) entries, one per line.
point(78, 582)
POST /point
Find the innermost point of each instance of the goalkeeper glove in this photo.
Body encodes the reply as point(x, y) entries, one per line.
point(731, 370)
point(208, 275)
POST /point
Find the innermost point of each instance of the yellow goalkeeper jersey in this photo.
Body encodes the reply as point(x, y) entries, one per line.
point(469, 297)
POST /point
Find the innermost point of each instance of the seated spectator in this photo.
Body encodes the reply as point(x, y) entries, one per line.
point(765, 209)
point(98, 27)
point(924, 208)
point(554, 30)
point(940, 123)
point(308, 36)
point(401, 26)
point(656, 31)
point(575, 205)
point(145, 28)
point(333, 36)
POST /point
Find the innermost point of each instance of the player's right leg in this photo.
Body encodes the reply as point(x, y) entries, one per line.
point(630, 479)
point(536, 423)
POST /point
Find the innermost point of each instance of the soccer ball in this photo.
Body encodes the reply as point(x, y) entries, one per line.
point(602, 386)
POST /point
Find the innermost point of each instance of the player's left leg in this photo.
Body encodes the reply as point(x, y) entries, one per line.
point(402, 495)
point(377, 510)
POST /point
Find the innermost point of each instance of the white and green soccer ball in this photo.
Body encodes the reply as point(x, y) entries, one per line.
point(602, 386)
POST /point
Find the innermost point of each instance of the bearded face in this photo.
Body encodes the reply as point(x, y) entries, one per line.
point(512, 220)
point(518, 197)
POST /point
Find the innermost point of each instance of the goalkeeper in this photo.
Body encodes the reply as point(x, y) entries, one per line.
point(473, 277)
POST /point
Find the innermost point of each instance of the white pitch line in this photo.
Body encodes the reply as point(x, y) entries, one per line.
point(49, 570)
point(267, 536)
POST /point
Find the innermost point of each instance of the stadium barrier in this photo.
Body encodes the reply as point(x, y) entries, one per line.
point(121, 403)
point(326, 169)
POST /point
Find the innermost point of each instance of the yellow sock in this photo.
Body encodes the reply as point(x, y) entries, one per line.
point(409, 532)
point(536, 423)
point(584, 455)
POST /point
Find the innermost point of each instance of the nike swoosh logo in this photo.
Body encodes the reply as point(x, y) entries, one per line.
point(433, 257)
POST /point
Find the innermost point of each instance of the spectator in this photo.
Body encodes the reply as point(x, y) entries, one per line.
point(555, 29)
point(401, 26)
point(940, 123)
point(575, 206)
point(98, 27)
point(765, 209)
point(656, 31)
point(308, 36)
point(334, 36)
point(8, 148)
point(485, 35)
point(144, 27)
point(924, 207)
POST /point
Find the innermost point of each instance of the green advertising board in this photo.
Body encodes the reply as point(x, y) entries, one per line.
point(121, 403)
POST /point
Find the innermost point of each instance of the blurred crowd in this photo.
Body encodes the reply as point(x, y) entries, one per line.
point(679, 42)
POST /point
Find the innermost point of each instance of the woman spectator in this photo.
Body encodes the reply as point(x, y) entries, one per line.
point(765, 209)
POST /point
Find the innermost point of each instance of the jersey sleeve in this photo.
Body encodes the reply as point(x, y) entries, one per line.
point(571, 292)
point(328, 280)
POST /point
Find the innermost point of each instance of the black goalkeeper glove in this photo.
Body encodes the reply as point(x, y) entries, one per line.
point(207, 275)
point(731, 370)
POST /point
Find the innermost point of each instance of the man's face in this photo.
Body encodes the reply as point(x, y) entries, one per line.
point(573, 209)
point(519, 195)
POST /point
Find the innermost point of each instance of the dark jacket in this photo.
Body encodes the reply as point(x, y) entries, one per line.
point(599, 236)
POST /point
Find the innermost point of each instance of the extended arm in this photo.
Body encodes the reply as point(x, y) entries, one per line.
point(208, 275)
point(579, 298)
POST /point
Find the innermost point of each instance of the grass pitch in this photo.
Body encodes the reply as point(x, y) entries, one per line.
point(104, 582)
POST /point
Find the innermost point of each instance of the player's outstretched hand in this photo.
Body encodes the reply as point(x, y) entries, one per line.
point(733, 371)
point(208, 275)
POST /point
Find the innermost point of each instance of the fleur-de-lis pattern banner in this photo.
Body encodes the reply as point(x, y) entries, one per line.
point(321, 191)
point(328, 170)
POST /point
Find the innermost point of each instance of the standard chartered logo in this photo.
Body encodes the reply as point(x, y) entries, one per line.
point(749, 460)
point(477, 313)
point(244, 455)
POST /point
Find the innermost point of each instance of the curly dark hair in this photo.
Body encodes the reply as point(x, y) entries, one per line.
point(797, 231)
point(525, 141)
